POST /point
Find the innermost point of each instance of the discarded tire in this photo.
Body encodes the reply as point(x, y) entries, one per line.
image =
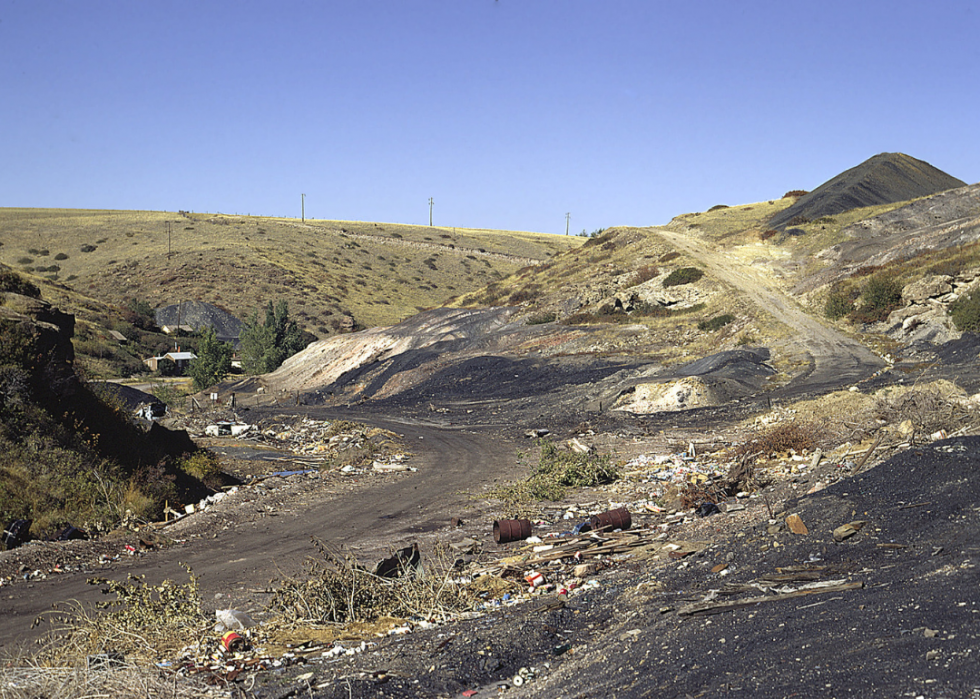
point(614, 519)
point(507, 530)
point(16, 533)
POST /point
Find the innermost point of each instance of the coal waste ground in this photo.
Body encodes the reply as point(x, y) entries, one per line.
point(887, 608)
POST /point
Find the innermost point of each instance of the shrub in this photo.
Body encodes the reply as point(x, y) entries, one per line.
point(683, 275)
point(795, 193)
point(202, 464)
point(88, 248)
point(838, 305)
point(668, 256)
point(965, 312)
point(766, 235)
point(881, 295)
point(716, 323)
point(13, 282)
point(719, 207)
point(800, 220)
point(25, 260)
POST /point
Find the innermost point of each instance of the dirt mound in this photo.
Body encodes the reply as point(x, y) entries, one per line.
point(198, 314)
point(883, 179)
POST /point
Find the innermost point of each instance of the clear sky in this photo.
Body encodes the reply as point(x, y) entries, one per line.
point(508, 113)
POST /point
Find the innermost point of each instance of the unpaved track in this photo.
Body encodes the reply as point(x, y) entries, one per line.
point(452, 462)
point(836, 359)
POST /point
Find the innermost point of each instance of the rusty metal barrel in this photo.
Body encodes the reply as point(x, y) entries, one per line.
point(507, 530)
point(614, 519)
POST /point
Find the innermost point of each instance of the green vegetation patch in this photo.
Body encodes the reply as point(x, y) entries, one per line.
point(716, 323)
point(683, 275)
point(965, 312)
point(556, 471)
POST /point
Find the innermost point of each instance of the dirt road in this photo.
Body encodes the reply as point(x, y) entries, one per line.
point(246, 555)
point(835, 358)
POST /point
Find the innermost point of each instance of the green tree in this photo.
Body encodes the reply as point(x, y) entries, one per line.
point(265, 346)
point(213, 360)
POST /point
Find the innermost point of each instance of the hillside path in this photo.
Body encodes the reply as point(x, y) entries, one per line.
point(835, 358)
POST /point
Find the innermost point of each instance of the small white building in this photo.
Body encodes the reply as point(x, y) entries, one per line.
point(181, 359)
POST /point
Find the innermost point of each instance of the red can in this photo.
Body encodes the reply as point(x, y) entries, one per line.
point(233, 642)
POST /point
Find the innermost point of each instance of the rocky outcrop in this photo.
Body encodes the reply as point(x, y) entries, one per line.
point(925, 313)
point(689, 392)
point(653, 293)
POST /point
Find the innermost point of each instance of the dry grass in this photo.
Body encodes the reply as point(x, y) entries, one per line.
point(337, 590)
point(380, 273)
point(26, 679)
point(143, 622)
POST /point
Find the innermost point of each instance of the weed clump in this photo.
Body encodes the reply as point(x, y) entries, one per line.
point(143, 621)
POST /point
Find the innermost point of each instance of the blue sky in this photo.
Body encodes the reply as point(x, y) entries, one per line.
point(508, 113)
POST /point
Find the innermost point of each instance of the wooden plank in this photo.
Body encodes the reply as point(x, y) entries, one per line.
point(708, 608)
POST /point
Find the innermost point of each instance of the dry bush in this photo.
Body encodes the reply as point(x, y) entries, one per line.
point(930, 409)
point(643, 274)
point(339, 590)
point(782, 438)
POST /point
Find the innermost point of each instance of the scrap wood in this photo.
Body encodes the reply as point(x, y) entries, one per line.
point(708, 608)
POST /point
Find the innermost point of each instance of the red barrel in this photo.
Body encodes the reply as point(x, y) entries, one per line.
point(614, 519)
point(507, 530)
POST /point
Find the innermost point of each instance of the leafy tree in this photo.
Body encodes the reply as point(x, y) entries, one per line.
point(265, 346)
point(213, 360)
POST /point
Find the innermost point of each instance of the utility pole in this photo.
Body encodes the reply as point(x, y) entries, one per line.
point(303, 204)
point(568, 217)
point(430, 211)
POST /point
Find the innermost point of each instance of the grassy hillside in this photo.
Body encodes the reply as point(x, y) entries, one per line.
point(377, 273)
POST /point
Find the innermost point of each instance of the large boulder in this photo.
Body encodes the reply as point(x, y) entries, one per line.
point(933, 286)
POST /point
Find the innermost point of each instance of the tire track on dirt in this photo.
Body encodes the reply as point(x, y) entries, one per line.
point(452, 463)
